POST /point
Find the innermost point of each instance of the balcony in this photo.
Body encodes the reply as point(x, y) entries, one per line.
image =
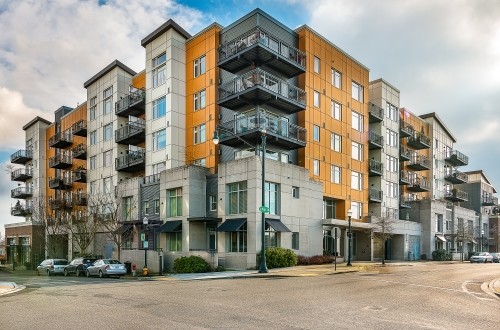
point(376, 168)
point(258, 87)
point(456, 195)
point(419, 184)
point(21, 210)
point(134, 161)
point(60, 161)
point(80, 199)
point(419, 141)
point(489, 200)
point(456, 177)
point(65, 203)
point(80, 128)
point(132, 133)
point(80, 175)
point(375, 195)
point(404, 202)
point(134, 104)
point(404, 153)
point(61, 140)
point(21, 157)
point(456, 158)
point(405, 130)
point(80, 151)
point(279, 131)
point(405, 177)
point(21, 174)
point(376, 141)
point(419, 163)
point(259, 46)
point(21, 192)
point(60, 183)
point(376, 113)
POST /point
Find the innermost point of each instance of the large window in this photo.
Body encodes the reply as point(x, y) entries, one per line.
point(159, 71)
point(336, 110)
point(295, 241)
point(108, 185)
point(159, 107)
point(212, 202)
point(272, 197)
point(392, 112)
point(336, 79)
point(316, 99)
point(335, 173)
point(107, 132)
point(106, 158)
point(316, 133)
point(329, 209)
point(356, 180)
point(159, 139)
point(175, 241)
point(357, 151)
point(357, 210)
point(357, 121)
point(174, 202)
point(357, 91)
point(200, 66)
point(199, 134)
point(392, 164)
point(199, 100)
point(127, 208)
point(93, 107)
point(317, 63)
point(272, 237)
point(316, 167)
point(336, 142)
point(108, 100)
point(158, 168)
point(237, 195)
point(392, 189)
point(238, 239)
point(93, 162)
point(392, 138)
point(93, 138)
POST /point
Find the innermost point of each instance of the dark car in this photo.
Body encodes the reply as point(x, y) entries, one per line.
point(51, 267)
point(78, 266)
point(496, 257)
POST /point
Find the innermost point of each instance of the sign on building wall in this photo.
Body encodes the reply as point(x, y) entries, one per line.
point(3, 252)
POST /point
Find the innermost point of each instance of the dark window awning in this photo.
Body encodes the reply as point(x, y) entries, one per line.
point(123, 229)
point(170, 226)
point(232, 224)
point(204, 219)
point(441, 238)
point(277, 225)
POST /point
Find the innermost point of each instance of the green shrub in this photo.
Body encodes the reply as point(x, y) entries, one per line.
point(423, 256)
point(315, 260)
point(277, 257)
point(440, 255)
point(192, 264)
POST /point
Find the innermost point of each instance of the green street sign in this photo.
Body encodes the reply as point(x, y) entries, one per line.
point(264, 209)
point(143, 236)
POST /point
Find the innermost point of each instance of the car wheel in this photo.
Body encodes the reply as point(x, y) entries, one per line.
point(87, 273)
point(101, 275)
point(77, 273)
point(48, 272)
point(65, 272)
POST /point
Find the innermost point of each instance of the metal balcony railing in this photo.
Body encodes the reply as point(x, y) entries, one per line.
point(60, 161)
point(21, 174)
point(376, 140)
point(376, 195)
point(21, 156)
point(133, 132)
point(21, 192)
point(61, 140)
point(21, 210)
point(376, 113)
point(376, 167)
point(131, 105)
point(80, 128)
point(419, 141)
point(80, 151)
point(134, 161)
point(456, 158)
point(456, 195)
point(456, 177)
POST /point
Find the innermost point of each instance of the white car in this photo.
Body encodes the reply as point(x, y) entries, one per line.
point(481, 257)
point(106, 268)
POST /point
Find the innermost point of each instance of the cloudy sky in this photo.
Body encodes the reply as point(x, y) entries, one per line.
point(443, 55)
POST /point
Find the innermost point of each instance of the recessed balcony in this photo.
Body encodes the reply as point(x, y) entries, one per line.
point(405, 130)
point(376, 113)
point(21, 192)
point(418, 141)
point(80, 151)
point(419, 184)
point(60, 161)
point(489, 200)
point(21, 174)
point(80, 128)
point(456, 195)
point(376, 141)
point(279, 131)
point(376, 168)
point(61, 140)
point(21, 157)
point(404, 153)
point(258, 87)
point(456, 158)
point(260, 47)
point(134, 104)
point(132, 133)
point(20, 210)
point(80, 199)
point(80, 175)
point(456, 177)
point(404, 202)
point(60, 183)
point(134, 161)
point(405, 177)
point(419, 163)
point(375, 195)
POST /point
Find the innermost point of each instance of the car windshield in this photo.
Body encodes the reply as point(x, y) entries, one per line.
point(60, 262)
point(88, 261)
point(113, 262)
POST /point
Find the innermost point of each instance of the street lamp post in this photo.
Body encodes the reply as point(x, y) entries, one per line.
point(349, 238)
point(482, 240)
point(145, 246)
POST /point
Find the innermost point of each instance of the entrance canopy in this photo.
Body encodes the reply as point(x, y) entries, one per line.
point(232, 224)
point(277, 225)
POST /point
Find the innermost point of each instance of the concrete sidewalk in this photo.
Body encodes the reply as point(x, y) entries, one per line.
point(10, 287)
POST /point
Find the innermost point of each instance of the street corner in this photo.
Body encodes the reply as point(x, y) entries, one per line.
point(10, 287)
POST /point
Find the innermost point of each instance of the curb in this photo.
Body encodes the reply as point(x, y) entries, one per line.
point(10, 287)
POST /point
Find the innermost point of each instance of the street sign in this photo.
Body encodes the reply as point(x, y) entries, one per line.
point(264, 209)
point(145, 244)
point(143, 236)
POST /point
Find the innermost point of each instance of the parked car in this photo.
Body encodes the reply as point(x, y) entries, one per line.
point(496, 257)
point(481, 257)
point(51, 267)
point(106, 268)
point(78, 266)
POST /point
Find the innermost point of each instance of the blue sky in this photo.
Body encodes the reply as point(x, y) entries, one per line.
point(443, 58)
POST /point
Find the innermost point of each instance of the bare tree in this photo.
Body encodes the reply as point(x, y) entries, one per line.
point(83, 229)
point(384, 228)
point(9, 168)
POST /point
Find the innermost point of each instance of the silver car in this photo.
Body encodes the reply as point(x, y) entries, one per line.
point(481, 257)
point(52, 267)
point(106, 268)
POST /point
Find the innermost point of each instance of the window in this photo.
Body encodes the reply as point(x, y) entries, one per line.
point(238, 240)
point(316, 99)
point(329, 209)
point(145, 208)
point(237, 196)
point(392, 112)
point(200, 162)
point(357, 210)
point(108, 100)
point(357, 151)
point(93, 162)
point(392, 138)
point(174, 241)
point(159, 139)
point(106, 158)
point(335, 173)
point(272, 197)
point(156, 206)
point(356, 180)
point(295, 241)
point(93, 108)
point(93, 188)
point(108, 132)
point(107, 211)
point(316, 133)
point(336, 79)
point(199, 66)
point(357, 121)
point(336, 110)
point(212, 202)
point(93, 138)
point(127, 208)
point(295, 192)
point(316, 167)
point(316, 64)
point(199, 134)
point(439, 223)
point(272, 237)
point(336, 142)
point(159, 107)
point(392, 164)
point(158, 168)
point(357, 91)
point(174, 202)
point(159, 70)
point(392, 189)
point(108, 185)
point(199, 100)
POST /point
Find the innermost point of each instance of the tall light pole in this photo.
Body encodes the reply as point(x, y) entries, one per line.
point(145, 246)
point(349, 239)
point(263, 209)
point(482, 239)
